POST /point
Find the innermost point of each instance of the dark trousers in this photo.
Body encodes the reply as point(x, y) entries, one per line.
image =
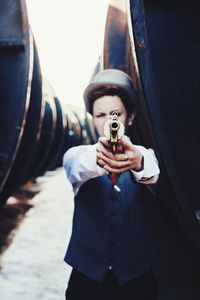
point(81, 287)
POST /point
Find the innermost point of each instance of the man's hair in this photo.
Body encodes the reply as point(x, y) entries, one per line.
point(113, 91)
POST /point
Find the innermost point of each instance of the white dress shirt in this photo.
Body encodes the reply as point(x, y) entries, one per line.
point(80, 163)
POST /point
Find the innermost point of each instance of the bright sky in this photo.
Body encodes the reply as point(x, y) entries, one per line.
point(69, 36)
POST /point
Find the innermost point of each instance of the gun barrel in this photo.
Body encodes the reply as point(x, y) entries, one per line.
point(113, 130)
point(114, 125)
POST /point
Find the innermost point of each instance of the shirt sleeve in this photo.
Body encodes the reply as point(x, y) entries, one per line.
point(80, 165)
point(151, 171)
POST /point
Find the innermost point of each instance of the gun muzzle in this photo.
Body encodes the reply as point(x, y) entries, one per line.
point(113, 130)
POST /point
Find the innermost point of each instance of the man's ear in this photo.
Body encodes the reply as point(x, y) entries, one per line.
point(130, 119)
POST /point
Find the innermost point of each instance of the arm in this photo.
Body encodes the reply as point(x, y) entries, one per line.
point(129, 157)
point(80, 165)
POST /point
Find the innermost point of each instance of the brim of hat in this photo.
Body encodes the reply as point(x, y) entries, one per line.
point(93, 87)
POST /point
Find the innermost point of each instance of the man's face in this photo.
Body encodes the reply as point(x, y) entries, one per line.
point(104, 107)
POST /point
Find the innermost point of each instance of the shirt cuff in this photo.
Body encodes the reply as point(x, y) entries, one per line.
point(150, 167)
point(138, 175)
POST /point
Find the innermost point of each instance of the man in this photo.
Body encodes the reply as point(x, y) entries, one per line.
point(112, 248)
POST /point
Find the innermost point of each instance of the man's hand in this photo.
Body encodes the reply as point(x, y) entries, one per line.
point(127, 156)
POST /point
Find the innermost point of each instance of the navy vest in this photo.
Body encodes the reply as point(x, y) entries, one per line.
point(112, 228)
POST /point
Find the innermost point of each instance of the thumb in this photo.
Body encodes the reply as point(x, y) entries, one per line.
point(125, 142)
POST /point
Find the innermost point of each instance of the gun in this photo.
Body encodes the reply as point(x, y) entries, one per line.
point(113, 130)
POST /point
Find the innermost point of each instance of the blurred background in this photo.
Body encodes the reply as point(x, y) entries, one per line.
point(42, 115)
point(35, 230)
point(69, 37)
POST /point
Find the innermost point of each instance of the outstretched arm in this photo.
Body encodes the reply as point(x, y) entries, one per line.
point(80, 165)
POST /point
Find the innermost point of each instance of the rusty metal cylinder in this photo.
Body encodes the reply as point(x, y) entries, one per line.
point(35, 127)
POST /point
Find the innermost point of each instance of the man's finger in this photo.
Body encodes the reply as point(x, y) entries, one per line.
point(114, 163)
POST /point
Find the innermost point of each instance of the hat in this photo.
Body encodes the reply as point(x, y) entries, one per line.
point(112, 78)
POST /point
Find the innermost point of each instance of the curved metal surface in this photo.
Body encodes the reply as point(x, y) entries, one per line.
point(46, 139)
point(172, 101)
point(57, 147)
point(115, 37)
point(29, 133)
point(13, 102)
point(161, 53)
point(48, 95)
point(35, 129)
point(163, 44)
